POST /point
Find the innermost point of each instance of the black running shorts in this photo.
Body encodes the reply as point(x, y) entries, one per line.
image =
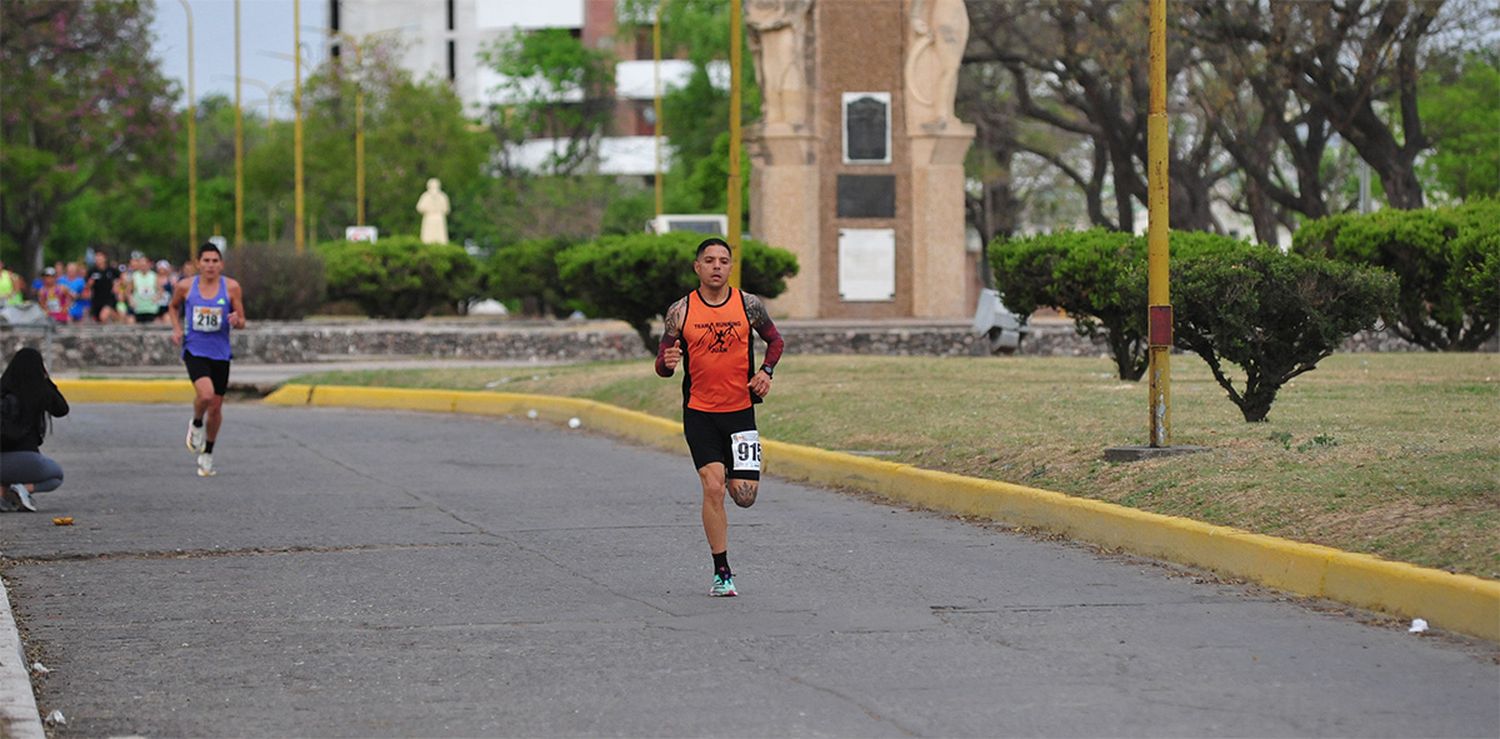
point(727, 438)
point(214, 369)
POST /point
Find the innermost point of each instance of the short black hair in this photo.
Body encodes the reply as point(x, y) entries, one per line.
point(712, 241)
point(210, 246)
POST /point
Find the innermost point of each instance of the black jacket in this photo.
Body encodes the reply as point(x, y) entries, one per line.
point(18, 433)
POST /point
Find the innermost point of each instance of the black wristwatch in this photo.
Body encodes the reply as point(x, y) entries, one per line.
point(766, 368)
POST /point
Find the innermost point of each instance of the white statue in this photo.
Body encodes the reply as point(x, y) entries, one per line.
point(778, 34)
point(940, 30)
point(433, 205)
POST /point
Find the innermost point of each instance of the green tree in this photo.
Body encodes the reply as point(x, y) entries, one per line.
point(1097, 276)
point(521, 207)
point(634, 278)
point(1273, 315)
point(1460, 105)
point(695, 116)
point(1090, 274)
point(1447, 259)
point(414, 130)
point(84, 108)
point(555, 88)
point(149, 212)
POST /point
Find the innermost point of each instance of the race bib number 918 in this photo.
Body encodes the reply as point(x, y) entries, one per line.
point(745, 450)
point(207, 318)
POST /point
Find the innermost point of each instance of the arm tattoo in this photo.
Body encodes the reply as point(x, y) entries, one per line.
point(755, 310)
point(672, 328)
point(673, 322)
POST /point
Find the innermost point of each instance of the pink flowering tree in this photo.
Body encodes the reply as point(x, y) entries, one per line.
point(85, 105)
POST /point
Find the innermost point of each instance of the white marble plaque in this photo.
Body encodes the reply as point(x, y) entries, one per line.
point(867, 264)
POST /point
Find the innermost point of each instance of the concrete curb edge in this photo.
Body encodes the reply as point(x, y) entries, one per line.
point(19, 717)
point(126, 391)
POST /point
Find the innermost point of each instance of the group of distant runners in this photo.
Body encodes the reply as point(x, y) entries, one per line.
point(134, 291)
point(707, 332)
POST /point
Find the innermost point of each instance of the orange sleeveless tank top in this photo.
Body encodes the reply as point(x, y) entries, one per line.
point(717, 354)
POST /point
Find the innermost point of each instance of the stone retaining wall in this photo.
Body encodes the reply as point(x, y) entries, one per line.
point(280, 343)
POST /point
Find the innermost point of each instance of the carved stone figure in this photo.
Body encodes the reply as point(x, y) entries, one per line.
point(940, 30)
point(433, 205)
point(778, 37)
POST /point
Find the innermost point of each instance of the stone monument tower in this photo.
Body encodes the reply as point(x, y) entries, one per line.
point(859, 157)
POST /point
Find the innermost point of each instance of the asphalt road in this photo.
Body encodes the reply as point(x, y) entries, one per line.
point(370, 573)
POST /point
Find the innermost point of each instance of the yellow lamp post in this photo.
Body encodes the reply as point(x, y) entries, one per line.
point(359, 127)
point(735, 42)
point(657, 129)
point(299, 236)
point(1158, 293)
point(270, 92)
point(192, 126)
point(239, 140)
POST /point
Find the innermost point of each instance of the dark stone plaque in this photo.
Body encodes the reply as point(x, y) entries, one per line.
point(867, 196)
point(866, 120)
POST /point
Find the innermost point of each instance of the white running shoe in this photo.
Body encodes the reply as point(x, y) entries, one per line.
point(206, 465)
point(195, 437)
point(16, 496)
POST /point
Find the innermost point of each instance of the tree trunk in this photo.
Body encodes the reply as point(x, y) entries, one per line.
point(1262, 213)
point(1256, 403)
point(1130, 360)
point(1402, 188)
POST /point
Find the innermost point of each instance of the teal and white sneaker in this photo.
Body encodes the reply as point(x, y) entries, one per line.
point(723, 587)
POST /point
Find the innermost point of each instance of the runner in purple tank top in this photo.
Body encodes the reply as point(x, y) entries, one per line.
point(211, 304)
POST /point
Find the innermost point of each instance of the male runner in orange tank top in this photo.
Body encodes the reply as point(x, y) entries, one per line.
point(720, 385)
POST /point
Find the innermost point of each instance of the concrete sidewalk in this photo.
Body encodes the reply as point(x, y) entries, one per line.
point(376, 573)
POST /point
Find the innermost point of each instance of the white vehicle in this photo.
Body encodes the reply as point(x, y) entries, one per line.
point(993, 320)
point(710, 224)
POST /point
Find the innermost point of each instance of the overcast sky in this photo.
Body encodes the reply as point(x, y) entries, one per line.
point(265, 26)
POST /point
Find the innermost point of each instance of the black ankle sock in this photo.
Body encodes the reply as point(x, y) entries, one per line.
point(197, 423)
point(208, 447)
point(721, 564)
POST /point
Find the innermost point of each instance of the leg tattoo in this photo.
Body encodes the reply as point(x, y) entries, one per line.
point(743, 492)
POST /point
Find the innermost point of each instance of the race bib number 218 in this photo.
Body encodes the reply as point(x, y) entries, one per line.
point(207, 318)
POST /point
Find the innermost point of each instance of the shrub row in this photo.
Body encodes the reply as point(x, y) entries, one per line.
point(632, 277)
point(1447, 260)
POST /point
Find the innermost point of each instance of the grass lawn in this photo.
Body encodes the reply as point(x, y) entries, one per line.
point(1396, 455)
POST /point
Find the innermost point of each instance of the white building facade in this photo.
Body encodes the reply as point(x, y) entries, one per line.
point(444, 38)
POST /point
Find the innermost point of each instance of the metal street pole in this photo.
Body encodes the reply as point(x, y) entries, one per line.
point(239, 140)
point(270, 120)
point(735, 42)
point(657, 129)
point(1158, 292)
point(359, 127)
point(298, 234)
point(192, 126)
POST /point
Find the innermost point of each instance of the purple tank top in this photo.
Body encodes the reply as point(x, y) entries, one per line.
point(207, 323)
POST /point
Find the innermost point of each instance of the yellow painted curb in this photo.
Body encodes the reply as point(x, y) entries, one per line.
point(126, 391)
point(1462, 603)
